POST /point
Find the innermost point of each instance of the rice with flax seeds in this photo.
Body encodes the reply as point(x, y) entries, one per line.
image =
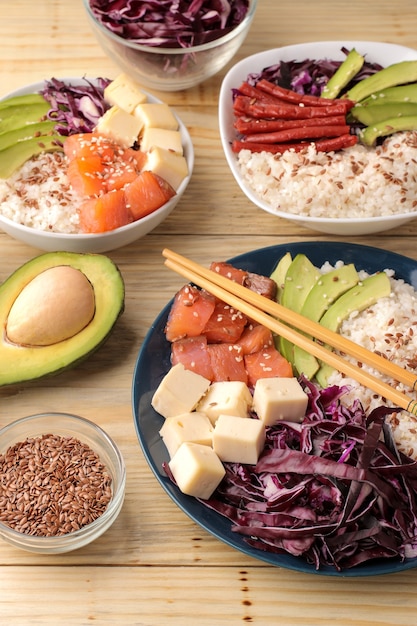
point(38, 195)
point(357, 182)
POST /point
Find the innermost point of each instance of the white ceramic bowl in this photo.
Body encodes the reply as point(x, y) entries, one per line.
point(102, 242)
point(170, 69)
point(89, 433)
point(384, 54)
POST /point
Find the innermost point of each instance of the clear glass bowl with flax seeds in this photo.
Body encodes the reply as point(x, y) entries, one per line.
point(62, 482)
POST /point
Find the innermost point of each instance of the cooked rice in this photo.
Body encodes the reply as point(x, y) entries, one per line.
point(388, 327)
point(38, 195)
point(356, 182)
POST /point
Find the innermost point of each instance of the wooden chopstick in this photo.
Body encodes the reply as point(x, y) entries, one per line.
point(261, 309)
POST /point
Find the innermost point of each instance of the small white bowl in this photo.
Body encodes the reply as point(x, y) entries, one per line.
point(170, 69)
point(102, 242)
point(382, 53)
point(89, 433)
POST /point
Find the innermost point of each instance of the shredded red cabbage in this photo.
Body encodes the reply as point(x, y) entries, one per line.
point(75, 108)
point(333, 489)
point(170, 23)
point(309, 76)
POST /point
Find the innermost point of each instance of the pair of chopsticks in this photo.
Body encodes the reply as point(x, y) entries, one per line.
point(276, 317)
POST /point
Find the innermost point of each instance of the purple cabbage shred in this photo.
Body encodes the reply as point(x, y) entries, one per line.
point(75, 108)
point(333, 489)
point(170, 23)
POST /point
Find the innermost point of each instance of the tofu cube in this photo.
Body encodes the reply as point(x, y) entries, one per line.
point(161, 138)
point(238, 439)
point(226, 397)
point(119, 126)
point(179, 391)
point(195, 427)
point(124, 93)
point(156, 115)
point(167, 164)
point(197, 469)
point(276, 399)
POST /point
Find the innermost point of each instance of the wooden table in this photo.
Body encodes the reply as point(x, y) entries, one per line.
point(155, 566)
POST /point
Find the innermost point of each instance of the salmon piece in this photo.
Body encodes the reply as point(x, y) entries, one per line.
point(190, 312)
point(86, 145)
point(119, 174)
point(192, 353)
point(225, 325)
point(227, 362)
point(229, 271)
point(86, 176)
point(109, 211)
point(266, 363)
point(147, 193)
point(255, 338)
point(135, 158)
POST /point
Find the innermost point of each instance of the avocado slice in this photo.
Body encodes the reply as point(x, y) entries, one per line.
point(12, 157)
point(279, 273)
point(29, 98)
point(401, 93)
point(397, 74)
point(9, 138)
point(17, 116)
point(328, 288)
point(299, 280)
point(369, 135)
point(20, 362)
point(344, 74)
point(358, 298)
point(375, 113)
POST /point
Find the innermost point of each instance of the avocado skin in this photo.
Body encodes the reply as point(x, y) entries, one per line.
point(19, 363)
point(375, 113)
point(396, 74)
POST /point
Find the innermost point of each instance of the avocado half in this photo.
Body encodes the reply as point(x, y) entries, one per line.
point(19, 362)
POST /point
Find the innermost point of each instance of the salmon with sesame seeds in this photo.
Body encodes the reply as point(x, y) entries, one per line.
point(104, 213)
point(254, 338)
point(189, 314)
point(266, 363)
point(227, 362)
point(226, 324)
point(147, 193)
point(193, 354)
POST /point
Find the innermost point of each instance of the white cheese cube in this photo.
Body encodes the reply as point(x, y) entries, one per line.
point(228, 397)
point(195, 427)
point(124, 93)
point(179, 391)
point(276, 399)
point(119, 126)
point(161, 138)
point(156, 115)
point(170, 166)
point(197, 469)
point(238, 439)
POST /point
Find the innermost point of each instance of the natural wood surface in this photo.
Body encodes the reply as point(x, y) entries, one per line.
point(155, 566)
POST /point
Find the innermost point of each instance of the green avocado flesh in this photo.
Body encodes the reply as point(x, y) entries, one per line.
point(388, 127)
point(376, 113)
point(20, 363)
point(344, 74)
point(397, 74)
point(328, 299)
point(14, 156)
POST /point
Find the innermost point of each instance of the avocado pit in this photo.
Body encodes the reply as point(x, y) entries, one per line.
point(54, 306)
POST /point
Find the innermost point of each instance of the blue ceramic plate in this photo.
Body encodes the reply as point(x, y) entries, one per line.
point(154, 362)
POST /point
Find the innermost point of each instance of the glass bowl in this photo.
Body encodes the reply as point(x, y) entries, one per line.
point(89, 434)
point(171, 69)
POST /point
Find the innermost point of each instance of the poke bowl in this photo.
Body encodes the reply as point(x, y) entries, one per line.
point(342, 191)
point(170, 53)
point(42, 210)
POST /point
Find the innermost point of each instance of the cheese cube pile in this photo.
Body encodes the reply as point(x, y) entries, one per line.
point(131, 120)
point(207, 424)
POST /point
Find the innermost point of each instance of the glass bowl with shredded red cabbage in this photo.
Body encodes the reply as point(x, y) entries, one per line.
point(170, 45)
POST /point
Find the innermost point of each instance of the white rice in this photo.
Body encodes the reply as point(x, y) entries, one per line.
point(38, 195)
point(388, 327)
point(355, 182)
